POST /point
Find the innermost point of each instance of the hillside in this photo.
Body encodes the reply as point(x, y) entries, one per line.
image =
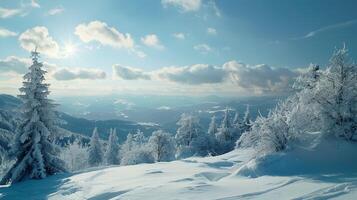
point(203, 178)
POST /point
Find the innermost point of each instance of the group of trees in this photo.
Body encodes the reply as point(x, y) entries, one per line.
point(325, 102)
point(190, 140)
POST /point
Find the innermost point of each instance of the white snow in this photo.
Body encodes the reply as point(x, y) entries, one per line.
point(192, 178)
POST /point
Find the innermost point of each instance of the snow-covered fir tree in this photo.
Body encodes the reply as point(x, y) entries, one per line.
point(95, 152)
point(190, 138)
point(236, 121)
point(212, 131)
point(36, 155)
point(113, 149)
point(162, 146)
point(246, 123)
point(212, 128)
point(226, 135)
point(127, 146)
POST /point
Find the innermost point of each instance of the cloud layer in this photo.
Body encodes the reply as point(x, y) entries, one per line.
point(65, 74)
point(193, 75)
point(129, 73)
point(258, 79)
point(14, 64)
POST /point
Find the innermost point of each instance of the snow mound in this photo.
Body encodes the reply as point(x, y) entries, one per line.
point(326, 157)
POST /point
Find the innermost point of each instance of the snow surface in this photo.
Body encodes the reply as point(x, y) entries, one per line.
point(193, 178)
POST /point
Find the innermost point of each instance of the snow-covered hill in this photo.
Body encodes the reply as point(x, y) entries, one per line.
point(193, 178)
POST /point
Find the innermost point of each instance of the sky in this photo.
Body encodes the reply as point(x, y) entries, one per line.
point(165, 47)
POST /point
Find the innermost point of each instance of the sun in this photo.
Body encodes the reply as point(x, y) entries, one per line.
point(70, 49)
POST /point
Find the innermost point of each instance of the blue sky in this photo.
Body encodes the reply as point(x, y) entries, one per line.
point(180, 34)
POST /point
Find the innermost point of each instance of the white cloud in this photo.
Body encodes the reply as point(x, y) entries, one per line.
point(6, 33)
point(65, 74)
point(211, 31)
point(40, 38)
point(55, 11)
point(152, 41)
point(7, 12)
point(179, 35)
point(202, 48)
point(193, 75)
point(35, 4)
point(102, 33)
point(259, 78)
point(14, 64)
point(129, 73)
point(183, 5)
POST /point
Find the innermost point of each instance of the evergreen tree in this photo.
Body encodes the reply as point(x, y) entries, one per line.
point(36, 155)
point(246, 123)
point(128, 145)
point(95, 153)
point(236, 121)
point(226, 136)
point(212, 129)
point(113, 148)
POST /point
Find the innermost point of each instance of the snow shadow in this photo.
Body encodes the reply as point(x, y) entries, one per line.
point(34, 189)
point(108, 195)
point(336, 159)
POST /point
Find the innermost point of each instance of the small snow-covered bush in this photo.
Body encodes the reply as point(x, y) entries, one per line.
point(137, 156)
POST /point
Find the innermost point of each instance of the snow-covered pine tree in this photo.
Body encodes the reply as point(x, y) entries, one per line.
point(212, 131)
point(95, 152)
point(212, 128)
point(162, 146)
point(113, 148)
point(246, 123)
point(236, 121)
point(128, 145)
point(226, 135)
point(36, 155)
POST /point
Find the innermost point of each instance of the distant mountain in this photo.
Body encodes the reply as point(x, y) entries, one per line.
point(9, 115)
point(162, 110)
point(8, 102)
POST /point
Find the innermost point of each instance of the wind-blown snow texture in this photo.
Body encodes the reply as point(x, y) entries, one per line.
point(192, 178)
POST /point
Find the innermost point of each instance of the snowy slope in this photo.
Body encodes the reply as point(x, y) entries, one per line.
point(193, 178)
